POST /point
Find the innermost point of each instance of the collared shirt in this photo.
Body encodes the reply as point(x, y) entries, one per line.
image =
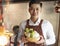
point(12, 40)
point(47, 30)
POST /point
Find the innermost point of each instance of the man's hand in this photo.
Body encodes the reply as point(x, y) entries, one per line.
point(41, 41)
point(24, 39)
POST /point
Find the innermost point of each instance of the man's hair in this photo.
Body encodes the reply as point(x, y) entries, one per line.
point(35, 2)
point(16, 28)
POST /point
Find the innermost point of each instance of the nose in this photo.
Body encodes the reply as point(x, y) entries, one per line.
point(34, 11)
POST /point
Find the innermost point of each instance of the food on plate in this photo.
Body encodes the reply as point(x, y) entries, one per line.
point(31, 35)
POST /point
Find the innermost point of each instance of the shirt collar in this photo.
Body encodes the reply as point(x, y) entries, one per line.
point(38, 21)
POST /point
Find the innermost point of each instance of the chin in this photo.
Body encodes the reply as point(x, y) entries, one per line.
point(34, 15)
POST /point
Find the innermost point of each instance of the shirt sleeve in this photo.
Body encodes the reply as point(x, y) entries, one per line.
point(50, 35)
point(21, 31)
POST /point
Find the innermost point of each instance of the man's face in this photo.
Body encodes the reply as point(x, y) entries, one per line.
point(34, 10)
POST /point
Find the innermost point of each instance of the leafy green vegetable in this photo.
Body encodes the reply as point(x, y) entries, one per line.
point(26, 30)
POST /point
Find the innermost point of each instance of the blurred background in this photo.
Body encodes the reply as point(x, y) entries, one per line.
point(14, 12)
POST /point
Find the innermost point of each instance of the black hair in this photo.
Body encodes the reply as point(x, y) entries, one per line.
point(35, 2)
point(16, 28)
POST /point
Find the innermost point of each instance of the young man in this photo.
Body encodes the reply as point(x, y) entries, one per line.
point(43, 27)
point(13, 39)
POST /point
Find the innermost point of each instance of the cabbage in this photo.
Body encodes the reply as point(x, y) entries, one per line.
point(32, 34)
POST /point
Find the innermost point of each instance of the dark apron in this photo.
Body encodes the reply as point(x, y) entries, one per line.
point(15, 43)
point(36, 28)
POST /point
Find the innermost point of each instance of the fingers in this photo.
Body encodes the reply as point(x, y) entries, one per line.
point(38, 42)
point(41, 36)
point(41, 40)
point(24, 40)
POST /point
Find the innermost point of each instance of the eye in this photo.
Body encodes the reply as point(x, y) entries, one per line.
point(37, 9)
point(31, 9)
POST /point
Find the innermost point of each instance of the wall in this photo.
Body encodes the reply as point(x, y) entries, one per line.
point(16, 13)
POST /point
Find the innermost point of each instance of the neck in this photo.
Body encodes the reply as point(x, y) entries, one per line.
point(34, 19)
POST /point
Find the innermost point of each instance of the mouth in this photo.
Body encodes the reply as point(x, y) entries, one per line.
point(34, 14)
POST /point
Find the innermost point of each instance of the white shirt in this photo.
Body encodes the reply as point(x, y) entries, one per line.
point(47, 30)
point(11, 42)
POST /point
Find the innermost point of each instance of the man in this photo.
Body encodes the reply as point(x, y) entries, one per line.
point(13, 39)
point(43, 27)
